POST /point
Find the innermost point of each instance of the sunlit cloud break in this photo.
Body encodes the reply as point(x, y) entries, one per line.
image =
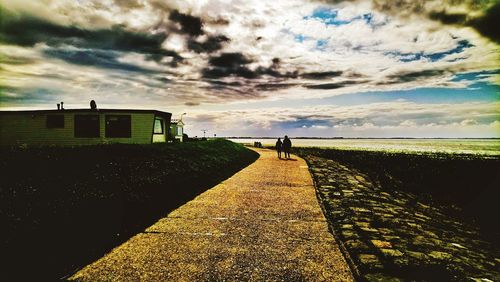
point(253, 68)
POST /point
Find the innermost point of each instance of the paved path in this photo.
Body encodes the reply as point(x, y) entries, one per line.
point(263, 223)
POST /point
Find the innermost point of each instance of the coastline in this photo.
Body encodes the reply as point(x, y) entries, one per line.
point(487, 148)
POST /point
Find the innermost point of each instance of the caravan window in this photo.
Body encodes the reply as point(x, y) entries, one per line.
point(158, 126)
point(87, 126)
point(55, 121)
point(118, 126)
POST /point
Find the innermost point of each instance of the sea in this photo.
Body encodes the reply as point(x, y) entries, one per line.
point(490, 147)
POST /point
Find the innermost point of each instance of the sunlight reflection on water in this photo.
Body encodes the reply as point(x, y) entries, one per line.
point(456, 146)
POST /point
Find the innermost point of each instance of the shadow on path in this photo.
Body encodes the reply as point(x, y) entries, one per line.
point(76, 204)
point(262, 224)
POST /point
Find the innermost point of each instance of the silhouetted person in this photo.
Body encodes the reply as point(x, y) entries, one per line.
point(93, 105)
point(287, 146)
point(279, 147)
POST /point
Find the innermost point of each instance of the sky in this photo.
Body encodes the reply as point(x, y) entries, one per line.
point(322, 68)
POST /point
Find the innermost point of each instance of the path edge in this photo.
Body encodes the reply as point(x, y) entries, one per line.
point(350, 262)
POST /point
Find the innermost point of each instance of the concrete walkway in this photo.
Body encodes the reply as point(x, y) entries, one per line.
point(262, 224)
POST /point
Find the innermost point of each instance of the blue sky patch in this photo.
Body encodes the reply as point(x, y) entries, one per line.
point(303, 122)
point(300, 38)
point(368, 18)
point(327, 16)
point(321, 44)
point(472, 76)
point(330, 17)
point(486, 93)
point(433, 57)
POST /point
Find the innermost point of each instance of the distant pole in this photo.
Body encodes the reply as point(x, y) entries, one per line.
point(183, 115)
point(204, 131)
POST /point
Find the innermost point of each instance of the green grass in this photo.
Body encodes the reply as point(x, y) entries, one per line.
point(62, 208)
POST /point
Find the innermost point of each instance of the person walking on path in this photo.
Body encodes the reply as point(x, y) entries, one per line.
point(279, 146)
point(287, 146)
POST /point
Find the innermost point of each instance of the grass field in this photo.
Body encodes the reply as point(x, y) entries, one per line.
point(61, 208)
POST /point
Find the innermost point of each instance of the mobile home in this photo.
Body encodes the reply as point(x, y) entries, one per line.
point(177, 129)
point(83, 127)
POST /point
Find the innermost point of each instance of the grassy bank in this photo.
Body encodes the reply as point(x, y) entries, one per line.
point(465, 184)
point(62, 208)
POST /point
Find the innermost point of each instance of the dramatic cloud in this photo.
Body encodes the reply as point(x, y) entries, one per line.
point(217, 54)
point(372, 120)
point(37, 30)
point(486, 23)
point(321, 75)
point(412, 76)
point(331, 85)
point(481, 15)
point(97, 58)
point(211, 44)
point(189, 24)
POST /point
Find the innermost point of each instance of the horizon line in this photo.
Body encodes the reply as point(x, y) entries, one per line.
point(305, 137)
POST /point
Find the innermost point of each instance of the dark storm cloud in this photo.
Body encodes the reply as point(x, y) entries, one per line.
point(446, 18)
point(321, 75)
point(229, 64)
point(487, 24)
point(274, 86)
point(219, 21)
point(193, 26)
point(37, 30)
point(192, 104)
point(225, 83)
point(401, 6)
point(189, 24)
point(273, 70)
point(403, 77)
point(227, 89)
point(96, 58)
point(352, 74)
point(336, 85)
point(229, 60)
point(235, 64)
point(225, 72)
point(212, 44)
